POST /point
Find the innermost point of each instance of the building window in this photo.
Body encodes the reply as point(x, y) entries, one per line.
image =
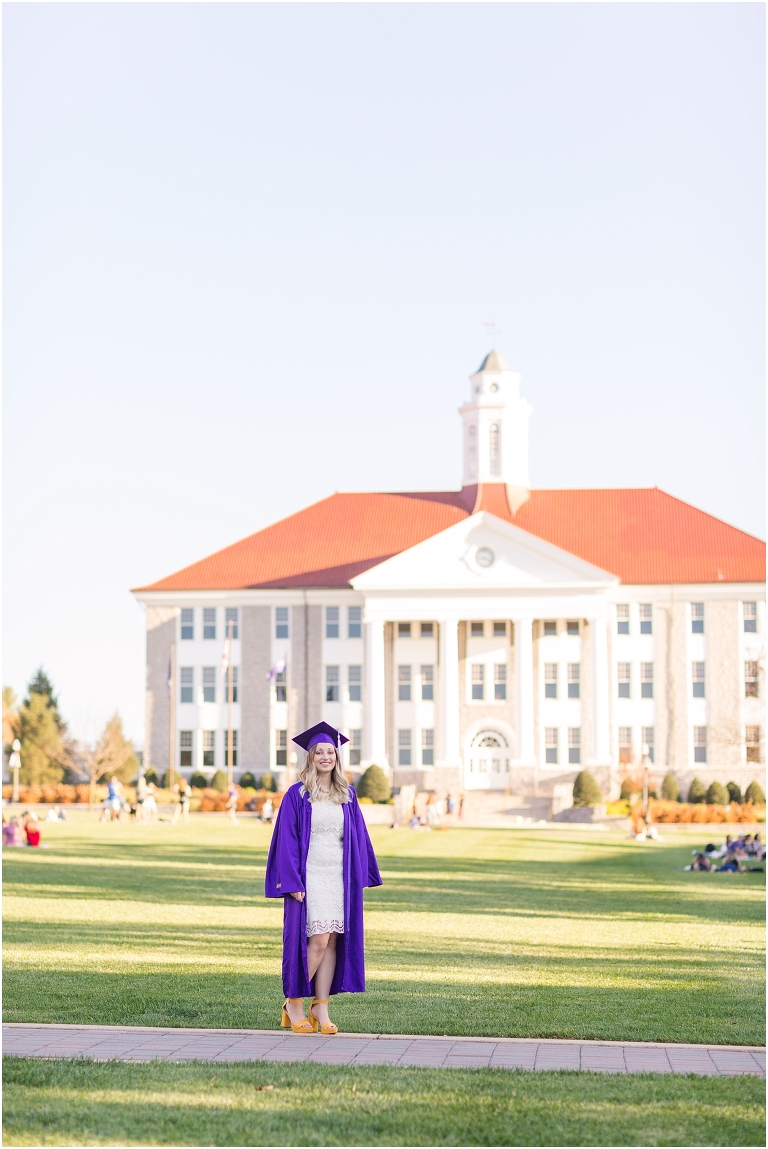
point(209, 622)
point(281, 622)
point(574, 745)
point(231, 620)
point(331, 684)
point(281, 687)
point(331, 622)
point(187, 623)
point(209, 684)
point(427, 683)
point(355, 747)
point(625, 744)
point(500, 630)
point(753, 743)
point(427, 630)
point(700, 744)
point(209, 748)
point(550, 627)
point(649, 737)
point(477, 629)
point(572, 627)
point(281, 748)
point(494, 449)
point(750, 680)
point(646, 680)
point(622, 618)
point(403, 630)
point(185, 748)
point(750, 617)
point(646, 618)
point(472, 451)
point(235, 682)
point(355, 683)
point(404, 684)
point(574, 679)
point(234, 748)
point(500, 681)
point(187, 675)
point(550, 745)
point(550, 680)
point(624, 677)
point(427, 747)
point(478, 681)
point(697, 618)
point(697, 673)
point(354, 622)
point(403, 747)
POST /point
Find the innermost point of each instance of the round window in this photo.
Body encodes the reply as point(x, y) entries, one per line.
point(485, 557)
point(493, 387)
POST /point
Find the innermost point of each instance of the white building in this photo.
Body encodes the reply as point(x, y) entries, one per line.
point(493, 637)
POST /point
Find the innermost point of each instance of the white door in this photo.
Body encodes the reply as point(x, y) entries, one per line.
point(487, 766)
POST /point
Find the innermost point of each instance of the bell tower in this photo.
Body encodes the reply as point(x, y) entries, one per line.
point(496, 430)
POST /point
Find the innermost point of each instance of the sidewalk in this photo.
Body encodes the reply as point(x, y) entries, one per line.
point(124, 1043)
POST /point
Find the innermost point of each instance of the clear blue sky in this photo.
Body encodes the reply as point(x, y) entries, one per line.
point(249, 250)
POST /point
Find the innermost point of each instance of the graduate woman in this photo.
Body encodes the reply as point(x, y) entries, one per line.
point(319, 861)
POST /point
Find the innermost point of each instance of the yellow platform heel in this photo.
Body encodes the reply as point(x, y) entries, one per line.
point(327, 1028)
point(302, 1026)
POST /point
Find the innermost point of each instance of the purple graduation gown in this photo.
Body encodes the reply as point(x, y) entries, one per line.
point(286, 870)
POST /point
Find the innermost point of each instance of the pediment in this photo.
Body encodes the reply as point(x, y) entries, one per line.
point(483, 552)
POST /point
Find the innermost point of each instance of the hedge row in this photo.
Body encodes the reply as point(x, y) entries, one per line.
point(699, 812)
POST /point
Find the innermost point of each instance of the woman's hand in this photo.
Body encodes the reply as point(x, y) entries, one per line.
point(298, 897)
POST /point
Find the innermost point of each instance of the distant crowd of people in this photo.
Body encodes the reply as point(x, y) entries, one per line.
point(24, 829)
point(733, 856)
point(436, 809)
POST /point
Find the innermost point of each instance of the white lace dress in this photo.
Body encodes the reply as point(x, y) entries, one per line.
point(325, 870)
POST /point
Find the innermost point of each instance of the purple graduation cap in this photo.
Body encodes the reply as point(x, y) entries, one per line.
point(323, 732)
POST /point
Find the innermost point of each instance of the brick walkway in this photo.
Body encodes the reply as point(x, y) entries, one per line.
point(123, 1043)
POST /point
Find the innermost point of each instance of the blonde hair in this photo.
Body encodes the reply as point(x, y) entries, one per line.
point(309, 776)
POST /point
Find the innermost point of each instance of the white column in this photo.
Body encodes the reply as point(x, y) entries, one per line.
point(524, 687)
point(375, 709)
point(449, 693)
point(600, 749)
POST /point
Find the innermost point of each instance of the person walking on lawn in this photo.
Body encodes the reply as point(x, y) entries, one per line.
point(320, 860)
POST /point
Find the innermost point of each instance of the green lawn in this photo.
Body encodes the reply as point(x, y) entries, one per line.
point(86, 1103)
point(542, 933)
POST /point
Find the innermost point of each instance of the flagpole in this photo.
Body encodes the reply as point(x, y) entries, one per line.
point(172, 708)
point(230, 738)
point(289, 773)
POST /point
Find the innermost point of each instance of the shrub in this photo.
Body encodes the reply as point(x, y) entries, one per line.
point(717, 795)
point(374, 785)
point(586, 791)
point(219, 781)
point(268, 782)
point(670, 791)
point(198, 781)
point(247, 780)
point(754, 793)
point(734, 792)
point(150, 775)
point(697, 791)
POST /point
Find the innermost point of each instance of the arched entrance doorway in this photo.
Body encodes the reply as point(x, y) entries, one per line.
point(487, 765)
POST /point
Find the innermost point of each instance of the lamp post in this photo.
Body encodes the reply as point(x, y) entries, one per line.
point(646, 770)
point(15, 762)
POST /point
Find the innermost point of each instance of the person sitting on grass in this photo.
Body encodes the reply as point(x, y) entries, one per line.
point(732, 864)
point(700, 862)
point(12, 833)
point(32, 830)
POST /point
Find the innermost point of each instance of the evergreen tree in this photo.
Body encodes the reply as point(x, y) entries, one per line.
point(697, 791)
point(755, 793)
point(42, 747)
point(114, 754)
point(373, 784)
point(717, 795)
point(734, 793)
point(586, 791)
point(10, 716)
point(219, 781)
point(670, 791)
point(42, 686)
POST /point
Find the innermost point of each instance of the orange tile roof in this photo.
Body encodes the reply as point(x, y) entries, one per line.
point(642, 535)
